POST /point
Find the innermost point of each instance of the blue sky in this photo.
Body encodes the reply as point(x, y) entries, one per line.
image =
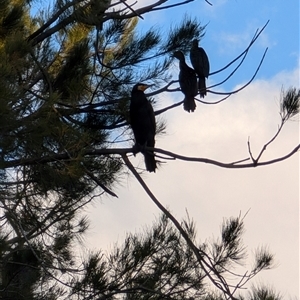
point(230, 27)
point(221, 132)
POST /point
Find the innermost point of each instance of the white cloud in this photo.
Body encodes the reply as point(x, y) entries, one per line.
point(211, 193)
point(235, 42)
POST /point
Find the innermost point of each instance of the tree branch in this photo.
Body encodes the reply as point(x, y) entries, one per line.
point(198, 253)
point(122, 151)
point(255, 37)
point(245, 85)
point(264, 148)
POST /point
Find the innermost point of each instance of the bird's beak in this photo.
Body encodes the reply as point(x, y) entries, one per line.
point(143, 87)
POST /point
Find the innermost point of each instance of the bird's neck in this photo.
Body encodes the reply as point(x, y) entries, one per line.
point(182, 63)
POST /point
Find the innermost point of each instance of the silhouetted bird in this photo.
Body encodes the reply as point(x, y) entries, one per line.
point(200, 63)
point(187, 82)
point(143, 125)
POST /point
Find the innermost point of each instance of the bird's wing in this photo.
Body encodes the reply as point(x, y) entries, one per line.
point(204, 62)
point(151, 116)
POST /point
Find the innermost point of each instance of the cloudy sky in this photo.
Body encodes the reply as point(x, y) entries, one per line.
point(221, 132)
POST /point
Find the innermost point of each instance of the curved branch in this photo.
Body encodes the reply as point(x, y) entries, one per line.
point(160, 111)
point(245, 85)
point(255, 160)
point(232, 165)
point(198, 253)
point(132, 10)
point(244, 53)
point(55, 17)
point(255, 37)
point(143, 10)
point(122, 151)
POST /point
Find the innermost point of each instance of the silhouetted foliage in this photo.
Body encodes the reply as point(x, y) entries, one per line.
point(66, 74)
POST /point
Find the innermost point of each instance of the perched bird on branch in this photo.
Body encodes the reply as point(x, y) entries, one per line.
point(200, 63)
point(143, 124)
point(187, 82)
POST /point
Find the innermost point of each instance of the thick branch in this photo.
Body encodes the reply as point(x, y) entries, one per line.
point(122, 151)
point(232, 165)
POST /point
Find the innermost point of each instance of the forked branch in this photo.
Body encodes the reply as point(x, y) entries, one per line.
point(289, 107)
point(243, 55)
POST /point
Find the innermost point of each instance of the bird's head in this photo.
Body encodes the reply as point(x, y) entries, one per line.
point(141, 86)
point(195, 43)
point(179, 55)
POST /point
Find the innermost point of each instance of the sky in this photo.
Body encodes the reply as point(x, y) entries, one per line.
point(269, 194)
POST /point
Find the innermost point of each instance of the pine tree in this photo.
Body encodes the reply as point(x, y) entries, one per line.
point(65, 83)
point(65, 80)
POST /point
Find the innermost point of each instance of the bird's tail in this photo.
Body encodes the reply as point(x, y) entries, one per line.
point(202, 87)
point(189, 104)
point(150, 161)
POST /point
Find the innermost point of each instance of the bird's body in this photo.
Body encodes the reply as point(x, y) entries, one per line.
point(143, 124)
point(200, 63)
point(187, 82)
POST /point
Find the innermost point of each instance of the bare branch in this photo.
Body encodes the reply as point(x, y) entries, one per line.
point(264, 148)
point(245, 85)
point(215, 102)
point(97, 181)
point(232, 165)
point(34, 35)
point(122, 151)
point(198, 253)
point(158, 112)
point(130, 7)
point(249, 150)
point(256, 35)
point(143, 10)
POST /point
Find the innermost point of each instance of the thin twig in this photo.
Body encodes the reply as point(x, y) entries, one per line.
point(129, 6)
point(93, 177)
point(269, 142)
point(246, 84)
point(256, 35)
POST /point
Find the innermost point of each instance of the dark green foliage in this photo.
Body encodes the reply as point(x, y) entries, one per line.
point(72, 78)
point(65, 83)
point(231, 238)
point(136, 50)
point(180, 37)
point(10, 17)
point(60, 99)
point(147, 266)
point(158, 264)
point(20, 271)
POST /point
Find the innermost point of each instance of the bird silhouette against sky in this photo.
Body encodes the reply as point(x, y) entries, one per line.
point(200, 63)
point(187, 82)
point(142, 120)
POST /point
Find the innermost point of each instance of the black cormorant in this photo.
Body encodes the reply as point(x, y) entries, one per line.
point(187, 82)
point(143, 125)
point(200, 63)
